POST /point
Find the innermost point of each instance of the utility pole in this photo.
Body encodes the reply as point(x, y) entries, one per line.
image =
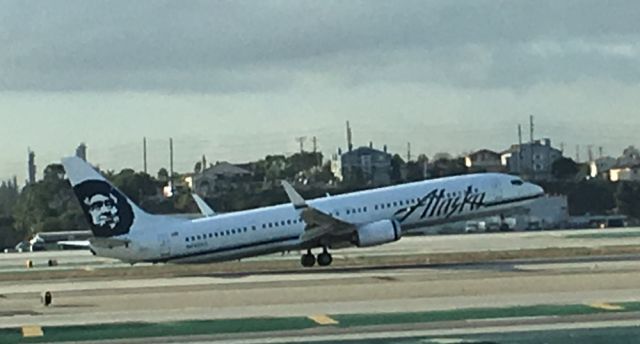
point(301, 141)
point(408, 151)
point(590, 152)
point(315, 151)
point(601, 152)
point(144, 154)
point(531, 128)
point(349, 138)
point(577, 153)
point(31, 167)
point(519, 157)
point(531, 145)
point(171, 164)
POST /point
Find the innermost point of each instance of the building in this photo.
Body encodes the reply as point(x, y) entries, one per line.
point(217, 177)
point(366, 164)
point(601, 166)
point(484, 160)
point(548, 212)
point(625, 173)
point(630, 156)
point(533, 160)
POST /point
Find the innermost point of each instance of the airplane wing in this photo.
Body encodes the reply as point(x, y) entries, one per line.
point(320, 225)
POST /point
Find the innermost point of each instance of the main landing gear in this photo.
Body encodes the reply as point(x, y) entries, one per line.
point(309, 260)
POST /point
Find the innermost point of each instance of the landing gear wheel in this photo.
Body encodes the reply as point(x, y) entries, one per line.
point(308, 260)
point(325, 259)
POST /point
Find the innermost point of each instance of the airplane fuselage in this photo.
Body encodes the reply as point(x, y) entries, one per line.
point(279, 228)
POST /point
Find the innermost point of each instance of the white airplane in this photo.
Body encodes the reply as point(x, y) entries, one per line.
point(367, 218)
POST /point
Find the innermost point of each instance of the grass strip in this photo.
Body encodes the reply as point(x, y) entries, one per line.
point(256, 325)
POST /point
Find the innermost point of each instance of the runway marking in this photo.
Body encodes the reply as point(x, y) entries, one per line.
point(323, 320)
point(30, 331)
point(606, 306)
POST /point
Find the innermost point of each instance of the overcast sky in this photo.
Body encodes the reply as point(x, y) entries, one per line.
point(236, 80)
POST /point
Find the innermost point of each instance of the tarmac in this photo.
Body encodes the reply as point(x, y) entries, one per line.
point(481, 300)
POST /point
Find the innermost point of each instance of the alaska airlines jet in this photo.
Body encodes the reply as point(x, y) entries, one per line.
point(367, 218)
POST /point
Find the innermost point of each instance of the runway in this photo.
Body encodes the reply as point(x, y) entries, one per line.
point(472, 298)
point(418, 245)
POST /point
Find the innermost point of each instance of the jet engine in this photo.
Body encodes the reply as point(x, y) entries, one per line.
point(377, 233)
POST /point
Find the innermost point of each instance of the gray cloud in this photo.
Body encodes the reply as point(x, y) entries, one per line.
point(251, 46)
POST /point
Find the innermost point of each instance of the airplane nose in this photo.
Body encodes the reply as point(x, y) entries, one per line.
point(535, 189)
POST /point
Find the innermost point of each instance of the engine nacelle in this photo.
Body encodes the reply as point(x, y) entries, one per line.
point(378, 233)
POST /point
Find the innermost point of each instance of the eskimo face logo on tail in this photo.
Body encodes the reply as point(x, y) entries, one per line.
point(107, 210)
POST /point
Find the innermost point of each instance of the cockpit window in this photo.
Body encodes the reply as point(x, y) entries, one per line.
point(517, 182)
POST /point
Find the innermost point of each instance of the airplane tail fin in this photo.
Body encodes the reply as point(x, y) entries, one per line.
point(109, 212)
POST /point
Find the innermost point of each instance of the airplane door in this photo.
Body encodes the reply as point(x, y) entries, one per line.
point(497, 190)
point(165, 245)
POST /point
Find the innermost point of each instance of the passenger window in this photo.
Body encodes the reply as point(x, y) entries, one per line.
point(186, 239)
point(288, 222)
point(365, 209)
point(283, 223)
point(375, 207)
point(253, 228)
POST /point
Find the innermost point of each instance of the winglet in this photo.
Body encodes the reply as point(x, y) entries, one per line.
point(297, 200)
point(205, 209)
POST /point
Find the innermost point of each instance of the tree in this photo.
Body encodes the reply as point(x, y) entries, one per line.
point(136, 185)
point(564, 169)
point(8, 196)
point(54, 172)
point(628, 199)
point(442, 156)
point(48, 205)
point(163, 175)
point(414, 171)
point(397, 167)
